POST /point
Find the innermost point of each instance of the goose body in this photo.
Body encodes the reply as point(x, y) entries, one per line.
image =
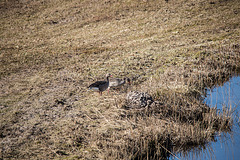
point(117, 83)
point(100, 86)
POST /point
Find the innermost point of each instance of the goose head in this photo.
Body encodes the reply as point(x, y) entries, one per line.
point(127, 80)
point(108, 75)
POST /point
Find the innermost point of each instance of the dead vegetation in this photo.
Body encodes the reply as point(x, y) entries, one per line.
point(51, 51)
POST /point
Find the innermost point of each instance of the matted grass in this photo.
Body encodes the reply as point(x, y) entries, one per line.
point(51, 51)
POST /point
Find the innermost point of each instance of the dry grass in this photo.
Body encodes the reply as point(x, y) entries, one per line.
point(51, 50)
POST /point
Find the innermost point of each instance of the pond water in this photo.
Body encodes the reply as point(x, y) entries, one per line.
point(227, 146)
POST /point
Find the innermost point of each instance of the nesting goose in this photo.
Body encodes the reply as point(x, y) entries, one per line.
point(117, 83)
point(100, 86)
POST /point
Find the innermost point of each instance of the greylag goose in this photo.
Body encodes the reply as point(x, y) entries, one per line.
point(100, 86)
point(118, 83)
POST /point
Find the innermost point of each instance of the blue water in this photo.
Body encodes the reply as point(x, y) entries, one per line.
point(227, 146)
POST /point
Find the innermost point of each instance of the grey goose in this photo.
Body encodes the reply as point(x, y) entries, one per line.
point(118, 83)
point(100, 86)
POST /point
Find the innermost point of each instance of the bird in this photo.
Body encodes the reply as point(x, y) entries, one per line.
point(100, 86)
point(117, 83)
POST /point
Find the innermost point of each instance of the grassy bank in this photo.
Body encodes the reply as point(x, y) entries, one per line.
point(51, 51)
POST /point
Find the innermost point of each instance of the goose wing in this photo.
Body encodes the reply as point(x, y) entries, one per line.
point(114, 82)
point(97, 84)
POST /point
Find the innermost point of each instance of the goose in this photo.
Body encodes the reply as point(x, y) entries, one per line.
point(100, 86)
point(118, 83)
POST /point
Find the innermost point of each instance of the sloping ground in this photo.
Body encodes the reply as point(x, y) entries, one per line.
point(52, 50)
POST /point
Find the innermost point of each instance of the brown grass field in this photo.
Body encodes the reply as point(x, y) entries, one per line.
point(51, 50)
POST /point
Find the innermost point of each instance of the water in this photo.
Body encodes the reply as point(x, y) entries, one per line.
point(227, 146)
